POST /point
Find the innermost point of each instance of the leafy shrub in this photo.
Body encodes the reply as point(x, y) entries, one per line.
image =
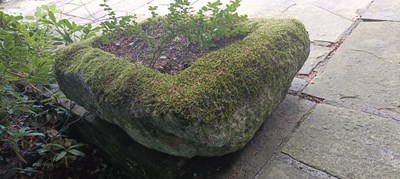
point(28, 103)
point(203, 27)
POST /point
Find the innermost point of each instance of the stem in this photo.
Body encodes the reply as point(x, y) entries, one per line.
point(163, 44)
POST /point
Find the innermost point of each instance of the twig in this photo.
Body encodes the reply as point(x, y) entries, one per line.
point(69, 124)
point(18, 155)
point(17, 74)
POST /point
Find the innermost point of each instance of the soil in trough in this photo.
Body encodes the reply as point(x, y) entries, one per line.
point(177, 56)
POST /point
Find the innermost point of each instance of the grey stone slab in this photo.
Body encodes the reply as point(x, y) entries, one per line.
point(261, 148)
point(24, 8)
point(280, 170)
point(344, 8)
point(66, 8)
point(365, 69)
point(89, 10)
point(347, 143)
point(317, 54)
point(383, 10)
point(320, 23)
point(282, 166)
point(298, 85)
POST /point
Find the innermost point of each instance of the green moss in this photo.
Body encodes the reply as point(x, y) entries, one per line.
point(212, 88)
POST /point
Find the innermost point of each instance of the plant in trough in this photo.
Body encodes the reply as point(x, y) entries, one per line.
point(201, 27)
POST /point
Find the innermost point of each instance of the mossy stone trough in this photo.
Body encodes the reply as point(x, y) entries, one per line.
point(212, 108)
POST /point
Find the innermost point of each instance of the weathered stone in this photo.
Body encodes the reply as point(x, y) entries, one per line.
point(317, 55)
point(365, 69)
point(320, 23)
point(344, 8)
point(282, 166)
point(269, 137)
point(210, 109)
point(298, 85)
point(347, 143)
point(148, 163)
point(23, 8)
point(279, 169)
point(383, 10)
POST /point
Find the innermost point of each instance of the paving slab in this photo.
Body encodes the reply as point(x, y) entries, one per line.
point(271, 134)
point(347, 143)
point(282, 170)
point(298, 85)
point(383, 10)
point(68, 7)
point(321, 24)
point(282, 166)
point(365, 69)
point(349, 9)
point(89, 10)
point(317, 55)
point(24, 8)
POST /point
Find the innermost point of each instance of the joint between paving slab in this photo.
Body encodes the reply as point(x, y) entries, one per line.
point(306, 168)
point(322, 43)
point(387, 113)
point(377, 20)
point(331, 12)
point(381, 112)
point(286, 139)
point(303, 118)
point(320, 66)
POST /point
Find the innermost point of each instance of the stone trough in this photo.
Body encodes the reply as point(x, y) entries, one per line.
point(212, 108)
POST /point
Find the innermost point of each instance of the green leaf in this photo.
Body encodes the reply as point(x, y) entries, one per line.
point(34, 134)
point(76, 153)
point(51, 16)
point(58, 43)
point(56, 145)
point(43, 150)
point(59, 156)
point(66, 23)
point(77, 146)
point(29, 18)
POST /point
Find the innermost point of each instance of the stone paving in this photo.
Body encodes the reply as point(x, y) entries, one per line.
point(341, 117)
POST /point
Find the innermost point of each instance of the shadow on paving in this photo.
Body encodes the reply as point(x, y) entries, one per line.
point(141, 162)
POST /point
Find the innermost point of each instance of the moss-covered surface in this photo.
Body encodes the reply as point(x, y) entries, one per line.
point(238, 85)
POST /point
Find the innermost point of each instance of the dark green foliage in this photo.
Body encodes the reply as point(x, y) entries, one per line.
point(28, 99)
point(203, 27)
point(125, 25)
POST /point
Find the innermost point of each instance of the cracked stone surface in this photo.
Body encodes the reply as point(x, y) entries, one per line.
point(383, 10)
point(347, 143)
point(282, 166)
point(365, 69)
point(321, 24)
point(253, 157)
point(317, 54)
point(298, 85)
point(348, 9)
point(280, 169)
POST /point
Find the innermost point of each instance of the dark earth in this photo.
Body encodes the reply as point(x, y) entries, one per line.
point(176, 56)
